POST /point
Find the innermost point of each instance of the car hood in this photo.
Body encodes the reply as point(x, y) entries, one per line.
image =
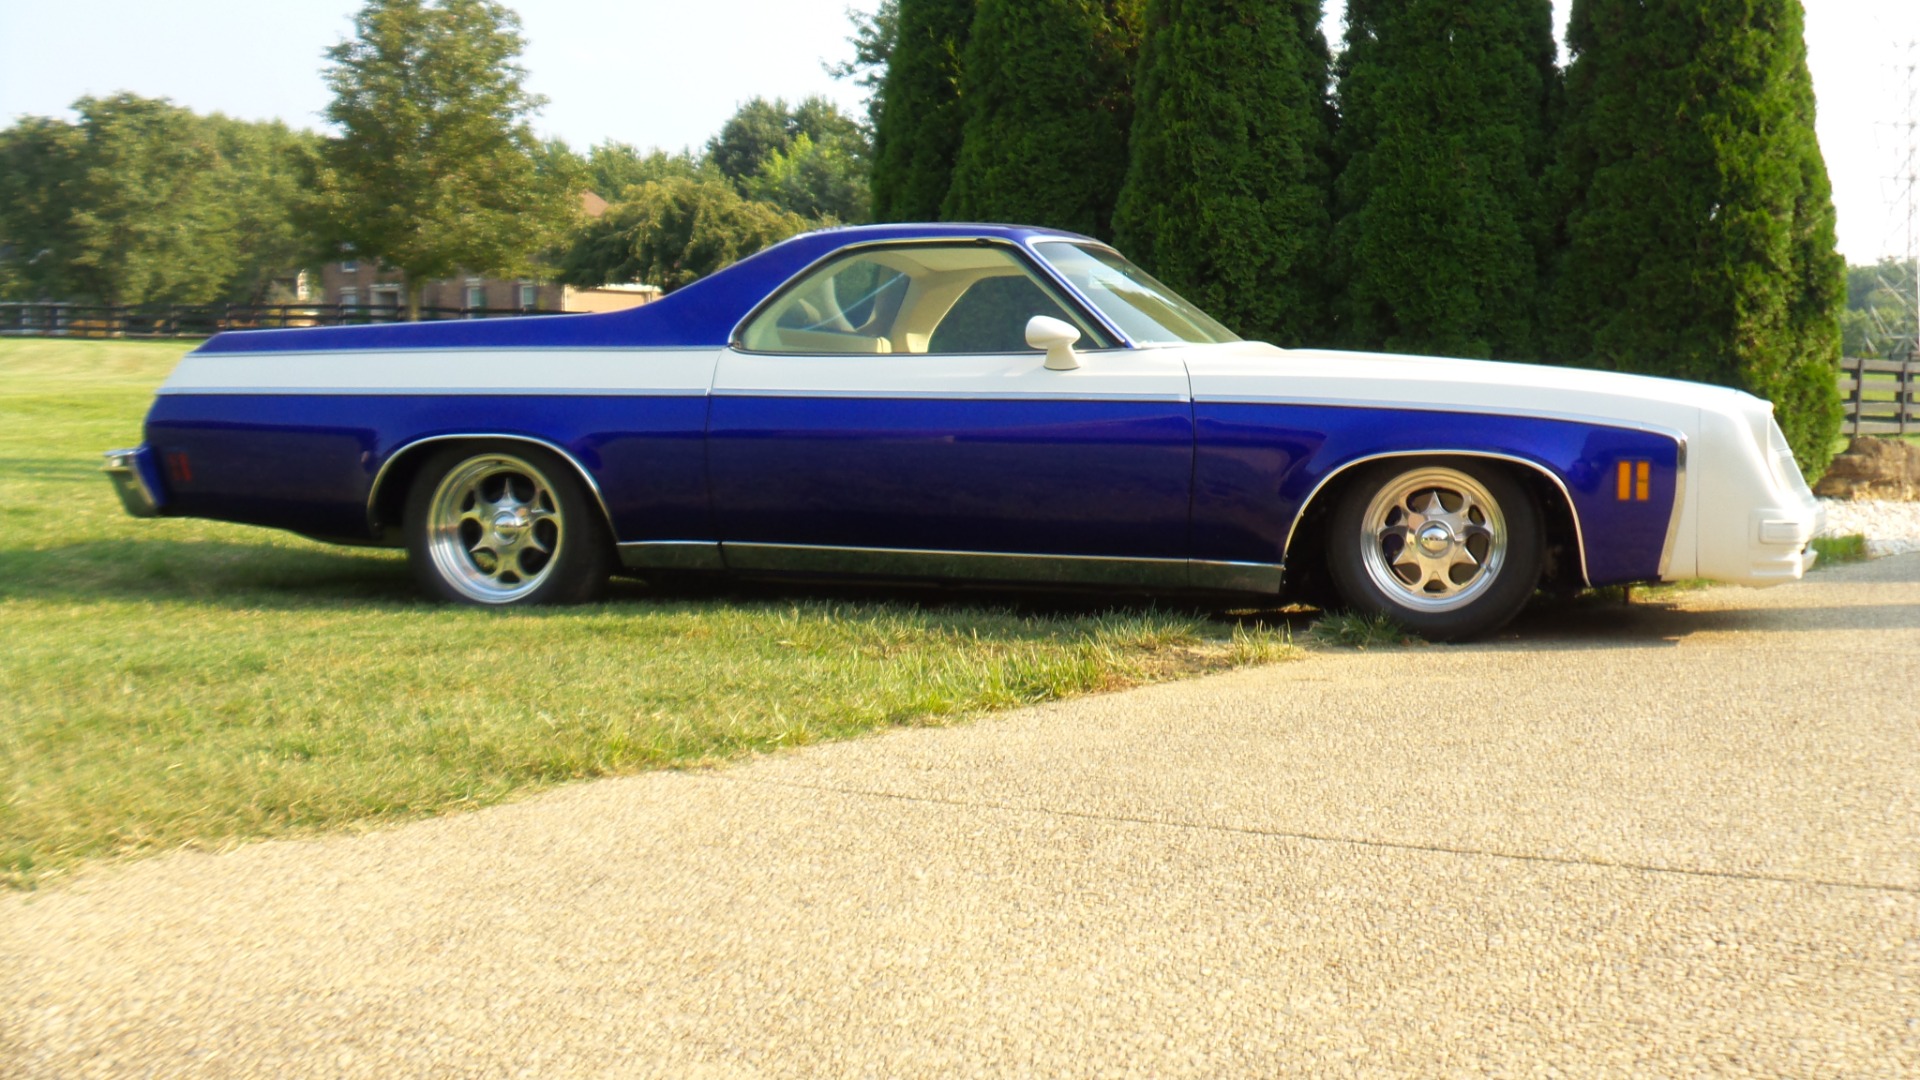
point(1257, 372)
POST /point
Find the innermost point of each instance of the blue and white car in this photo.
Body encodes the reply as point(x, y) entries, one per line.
point(966, 403)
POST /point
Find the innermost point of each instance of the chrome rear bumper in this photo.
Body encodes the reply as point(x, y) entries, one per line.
point(134, 480)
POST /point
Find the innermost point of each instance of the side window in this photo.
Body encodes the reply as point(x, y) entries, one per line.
point(991, 316)
point(910, 299)
point(847, 307)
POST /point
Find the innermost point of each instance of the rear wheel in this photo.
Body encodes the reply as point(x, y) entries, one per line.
point(495, 526)
point(1449, 549)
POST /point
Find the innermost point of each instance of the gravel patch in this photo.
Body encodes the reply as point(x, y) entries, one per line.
point(1891, 528)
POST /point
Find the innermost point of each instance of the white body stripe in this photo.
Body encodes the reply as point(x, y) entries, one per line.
point(1254, 372)
point(448, 371)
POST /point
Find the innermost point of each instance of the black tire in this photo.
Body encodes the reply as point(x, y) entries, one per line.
point(1449, 548)
point(506, 525)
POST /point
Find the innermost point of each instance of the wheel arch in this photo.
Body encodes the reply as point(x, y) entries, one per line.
point(1559, 516)
point(387, 498)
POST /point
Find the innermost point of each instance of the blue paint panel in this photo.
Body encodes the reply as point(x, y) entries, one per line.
point(1257, 464)
point(703, 313)
point(308, 462)
point(1044, 477)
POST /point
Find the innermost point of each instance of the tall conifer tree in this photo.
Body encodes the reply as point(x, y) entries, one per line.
point(1699, 237)
point(916, 135)
point(1226, 194)
point(1047, 95)
point(1445, 109)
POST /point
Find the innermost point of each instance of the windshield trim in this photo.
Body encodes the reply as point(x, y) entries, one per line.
point(1037, 246)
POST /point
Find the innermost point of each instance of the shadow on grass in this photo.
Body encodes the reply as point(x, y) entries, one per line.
point(276, 577)
point(40, 468)
point(1038, 603)
point(205, 572)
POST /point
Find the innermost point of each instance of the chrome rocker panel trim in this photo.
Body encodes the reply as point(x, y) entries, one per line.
point(672, 555)
point(1207, 575)
point(1013, 568)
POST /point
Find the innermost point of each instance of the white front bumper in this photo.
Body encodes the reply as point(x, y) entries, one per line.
point(1779, 542)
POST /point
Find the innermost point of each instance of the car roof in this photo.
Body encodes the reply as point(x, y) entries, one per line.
point(700, 314)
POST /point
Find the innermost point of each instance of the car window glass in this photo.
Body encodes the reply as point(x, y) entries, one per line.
point(910, 299)
point(991, 316)
point(1144, 309)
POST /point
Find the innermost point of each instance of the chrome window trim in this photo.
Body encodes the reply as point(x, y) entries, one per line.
point(1029, 258)
point(1074, 291)
point(1579, 534)
point(945, 395)
point(373, 494)
point(430, 391)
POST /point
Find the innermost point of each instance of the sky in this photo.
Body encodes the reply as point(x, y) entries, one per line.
point(668, 73)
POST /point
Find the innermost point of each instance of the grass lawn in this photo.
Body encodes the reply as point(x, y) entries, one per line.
point(172, 683)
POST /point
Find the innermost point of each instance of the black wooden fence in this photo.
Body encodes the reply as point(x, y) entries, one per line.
point(1882, 397)
point(205, 320)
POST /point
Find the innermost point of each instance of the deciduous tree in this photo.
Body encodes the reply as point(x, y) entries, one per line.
point(40, 179)
point(811, 159)
point(436, 168)
point(673, 232)
point(266, 164)
point(141, 201)
point(613, 167)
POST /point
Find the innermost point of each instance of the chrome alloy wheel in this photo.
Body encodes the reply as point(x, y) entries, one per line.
point(1433, 539)
point(494, 528)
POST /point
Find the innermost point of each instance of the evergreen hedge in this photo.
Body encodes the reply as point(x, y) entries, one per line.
point(1444, 137)
point(917, 135)
point(1046, 91)
point(1699, 228)
point(1226, 193)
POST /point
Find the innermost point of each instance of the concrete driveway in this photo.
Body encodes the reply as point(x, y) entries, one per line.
point(1676, 838)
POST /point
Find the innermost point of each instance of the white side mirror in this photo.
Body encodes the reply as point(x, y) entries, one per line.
point(1057, 338)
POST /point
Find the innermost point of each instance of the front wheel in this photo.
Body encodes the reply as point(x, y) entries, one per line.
point(500, 527)
point(1450, 550)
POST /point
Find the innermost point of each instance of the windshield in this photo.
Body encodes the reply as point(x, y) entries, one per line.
point(1145, 310)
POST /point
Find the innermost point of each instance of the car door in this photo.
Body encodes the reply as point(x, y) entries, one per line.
point(884, 415)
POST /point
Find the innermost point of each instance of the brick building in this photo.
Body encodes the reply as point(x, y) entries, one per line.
point(364, 284)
